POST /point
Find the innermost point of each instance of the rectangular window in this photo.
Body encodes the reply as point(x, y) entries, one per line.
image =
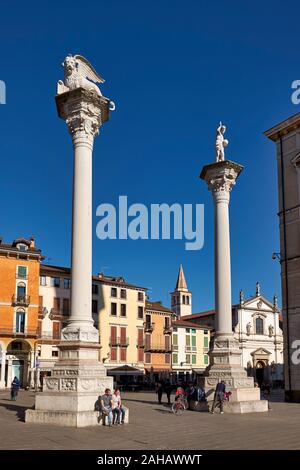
point(206, 332)
point(147, 358)
point(187, 340)
point(43, 281)
point(56, 330)
point(94, 306)
point(113, 354)
point(167, 358)
point(175, 340)
point(167, 322)
point(205, 341)
point(39, 330)
point(123, 354)
point(193, 330)
point(187, 330)
point(113, 335)
point(140, 337)
point(123, 339)
point(67, 283)
point(22, 272)
point(56, 304)
point(113, 309)
point(205, 359)
point(175, 358)
point(167, 343)
point(141, 296)
point(123, 310)
point(95, 289)
point(140, 355)
point(141, 313)
point(54, 281)
point(123, 294)
point(147, 341)
point(113, 292)
point(194, 359)
point(66, 306)
point(188, 358)
point(54, 353)
point(193, 340)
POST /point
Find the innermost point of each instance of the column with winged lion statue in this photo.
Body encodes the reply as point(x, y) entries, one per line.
point(69, 395)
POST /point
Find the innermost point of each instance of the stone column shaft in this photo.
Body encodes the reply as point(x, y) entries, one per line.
point(222, 265)
point(2, 377)
point(81, 273)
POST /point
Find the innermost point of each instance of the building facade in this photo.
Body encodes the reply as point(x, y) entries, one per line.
point(19, 305)
point(190, 345)
point(286, 136)
point(158, 341)
point(256, 325)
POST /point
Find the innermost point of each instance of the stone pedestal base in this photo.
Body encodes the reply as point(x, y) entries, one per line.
point(69, 395)
point(225, 365)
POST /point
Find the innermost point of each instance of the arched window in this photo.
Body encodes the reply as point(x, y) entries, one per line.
point(20, 321)
point(21, 290)
point(259, 326)
point(187, 300)
point(183, 299)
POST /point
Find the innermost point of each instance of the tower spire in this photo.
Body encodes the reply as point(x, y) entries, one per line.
point(181, 282)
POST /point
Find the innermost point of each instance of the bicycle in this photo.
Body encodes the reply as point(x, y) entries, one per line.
point(179, 406)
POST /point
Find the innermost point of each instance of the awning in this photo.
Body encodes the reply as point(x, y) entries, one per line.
point(125, 370)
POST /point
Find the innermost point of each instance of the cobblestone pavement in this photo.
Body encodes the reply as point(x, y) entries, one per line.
point(153, 426)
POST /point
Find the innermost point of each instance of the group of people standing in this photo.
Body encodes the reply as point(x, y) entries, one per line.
point(189, 391)
point(111, 407)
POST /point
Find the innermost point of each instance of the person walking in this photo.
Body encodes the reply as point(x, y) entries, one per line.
point(168, 390)
point(159, 391)
point(219, 396)
point(15, 386)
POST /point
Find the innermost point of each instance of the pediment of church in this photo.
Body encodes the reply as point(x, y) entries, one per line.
point(261, 352)
point(259, 303)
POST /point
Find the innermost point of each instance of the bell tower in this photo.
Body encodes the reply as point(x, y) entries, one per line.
point(181, 298)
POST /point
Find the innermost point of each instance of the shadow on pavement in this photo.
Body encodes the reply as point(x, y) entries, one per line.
point(19, 409)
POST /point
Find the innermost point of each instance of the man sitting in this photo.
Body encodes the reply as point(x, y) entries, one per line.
point(106, 406)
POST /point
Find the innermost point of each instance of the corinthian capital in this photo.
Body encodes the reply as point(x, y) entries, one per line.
point(220, 178)
point(84, 112)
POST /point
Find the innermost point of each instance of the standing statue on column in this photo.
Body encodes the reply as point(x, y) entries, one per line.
point(221, 143)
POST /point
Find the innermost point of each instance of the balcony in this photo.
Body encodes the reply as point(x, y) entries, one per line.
point(22, 300)
point(32, 332)
point(158, 347)
point(118, 341)
point(167, 329)
point(149, 326)
point(189, 349)
point(174, 347)
point(49, 335)
point(140, 344)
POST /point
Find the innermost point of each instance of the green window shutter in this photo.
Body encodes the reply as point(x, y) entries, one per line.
point(205, 341)
point(193, 340)
point(175, 359)
point(187, 340)
point(194, 359)
point(188, 359)
point(22, 271)
point(205, 359)
point(175, 340)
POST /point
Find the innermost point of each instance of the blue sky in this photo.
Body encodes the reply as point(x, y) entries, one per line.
point(174, 69)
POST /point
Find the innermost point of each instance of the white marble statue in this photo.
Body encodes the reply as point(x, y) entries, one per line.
point(79, 73)
point(221, 143)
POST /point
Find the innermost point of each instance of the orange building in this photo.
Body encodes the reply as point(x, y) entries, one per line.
point(158, 336)
point(19, 306)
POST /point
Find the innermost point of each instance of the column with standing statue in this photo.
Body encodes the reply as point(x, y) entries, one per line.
point(225, 354)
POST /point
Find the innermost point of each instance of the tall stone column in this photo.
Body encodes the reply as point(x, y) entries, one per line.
point(225, 353)
point(68, 396)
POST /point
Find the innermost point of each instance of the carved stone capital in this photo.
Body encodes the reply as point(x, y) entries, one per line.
point(71, 333)
point(220, 178)
point(84, 112)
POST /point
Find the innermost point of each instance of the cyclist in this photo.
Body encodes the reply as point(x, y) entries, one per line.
point(179, 393)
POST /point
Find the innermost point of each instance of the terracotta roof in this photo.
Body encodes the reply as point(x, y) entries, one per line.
point(189, 324)
point(199, 315)
point(181, 282)
point(158, 307)
point(13, 246)
point(114, 281)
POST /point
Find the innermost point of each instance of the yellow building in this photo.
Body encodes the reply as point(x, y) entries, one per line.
point(19, 304)
point(158, 336)
point(121, 308)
